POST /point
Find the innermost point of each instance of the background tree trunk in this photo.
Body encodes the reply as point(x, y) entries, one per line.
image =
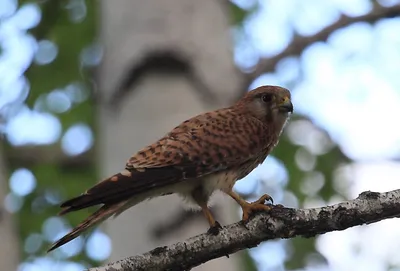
point(135, 33)
point(9, 252)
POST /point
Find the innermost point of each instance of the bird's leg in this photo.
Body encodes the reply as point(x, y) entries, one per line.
point(214, 225)
point(202, 202)
point(249, 207)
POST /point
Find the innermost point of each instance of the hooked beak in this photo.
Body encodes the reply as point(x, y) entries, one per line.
point(286, 105)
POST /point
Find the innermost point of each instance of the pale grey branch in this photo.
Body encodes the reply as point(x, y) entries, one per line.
point(281, 222)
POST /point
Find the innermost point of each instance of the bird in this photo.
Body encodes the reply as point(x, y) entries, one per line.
point(203, 154)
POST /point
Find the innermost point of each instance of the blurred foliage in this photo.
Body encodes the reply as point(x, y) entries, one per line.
point(71, 38)
point(57, 180)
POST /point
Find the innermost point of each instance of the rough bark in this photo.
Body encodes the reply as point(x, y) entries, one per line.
point(368, 207)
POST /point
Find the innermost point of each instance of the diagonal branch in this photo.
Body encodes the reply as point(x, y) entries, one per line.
point(300, 43)
point(281, 222)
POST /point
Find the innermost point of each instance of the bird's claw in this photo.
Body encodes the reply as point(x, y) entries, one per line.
point(214, 230)
point(258, 205)
point(254, 207)
point(263, 199)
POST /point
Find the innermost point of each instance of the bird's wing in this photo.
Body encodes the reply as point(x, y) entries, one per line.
point(205, 144)
point(202, 145)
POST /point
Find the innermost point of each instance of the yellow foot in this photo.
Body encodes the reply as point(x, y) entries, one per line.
point(258, 205)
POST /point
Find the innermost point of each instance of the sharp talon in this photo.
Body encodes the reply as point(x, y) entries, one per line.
point(214, 230)
point(263, 199)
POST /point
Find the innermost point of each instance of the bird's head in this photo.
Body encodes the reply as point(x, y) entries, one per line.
point(268, 103)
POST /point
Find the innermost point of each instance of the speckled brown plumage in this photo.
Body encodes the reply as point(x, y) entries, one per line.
point(206, 153)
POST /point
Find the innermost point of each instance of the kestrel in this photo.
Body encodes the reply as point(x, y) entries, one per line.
point(203, 154)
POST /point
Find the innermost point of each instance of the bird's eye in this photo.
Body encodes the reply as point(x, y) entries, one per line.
point(266, 98)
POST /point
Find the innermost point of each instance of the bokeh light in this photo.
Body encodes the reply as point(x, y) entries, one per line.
point(98, 246)
point(27, 128)
point(92, 55)
point(27, 17)
point(58, 101)
point(76, 92)
point(13, 203)
point(52, 226)
point(22, 182)
point(46, 52)
point(77, 139)
point(77, 10)
point(33, 243)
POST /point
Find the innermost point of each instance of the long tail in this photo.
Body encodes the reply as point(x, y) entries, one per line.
point(123, 186)
point(117, 193)
point(97, 217)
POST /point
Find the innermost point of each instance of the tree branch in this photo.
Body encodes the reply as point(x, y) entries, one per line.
point(31, 155)
point(300, 43)
point(280, 222)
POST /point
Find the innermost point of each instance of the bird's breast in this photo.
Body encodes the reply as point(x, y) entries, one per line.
point(220, 181)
